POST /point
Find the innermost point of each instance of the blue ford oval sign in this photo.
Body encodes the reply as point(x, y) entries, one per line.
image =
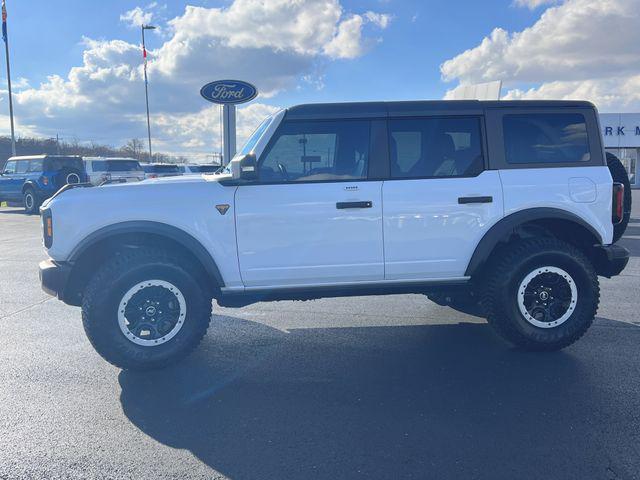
point(229, 91)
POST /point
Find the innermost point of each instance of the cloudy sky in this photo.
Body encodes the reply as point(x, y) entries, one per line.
point(77, 64)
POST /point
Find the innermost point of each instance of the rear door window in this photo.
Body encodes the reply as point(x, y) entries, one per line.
point(545, 138)
point(55, 164)
point(22, 166)
point(435, 147)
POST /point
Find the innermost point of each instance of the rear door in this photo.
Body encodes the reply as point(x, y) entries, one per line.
point(440, 199)
point(313, 217)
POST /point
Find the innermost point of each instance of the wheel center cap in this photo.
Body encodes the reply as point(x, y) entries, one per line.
point(150, 311)
point(544, 296)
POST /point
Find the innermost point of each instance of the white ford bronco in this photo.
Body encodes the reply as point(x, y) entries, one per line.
point(505, 210)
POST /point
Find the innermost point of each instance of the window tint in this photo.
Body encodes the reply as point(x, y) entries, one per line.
point(22, 166)
point(317, 151)
point(36, 165)
point(435, 147)
point(58, 163)
point(10, 167)
point(546, 138)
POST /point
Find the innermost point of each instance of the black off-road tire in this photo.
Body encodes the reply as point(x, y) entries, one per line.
point(31, 201)
point(504, 275)
point(619, 174)
point(110, 283)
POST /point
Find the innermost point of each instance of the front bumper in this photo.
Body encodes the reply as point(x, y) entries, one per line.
point(610, 260)
point(54, 277)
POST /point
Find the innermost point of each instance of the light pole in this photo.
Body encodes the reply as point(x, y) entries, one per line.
point(146, 85)
point(5, 37)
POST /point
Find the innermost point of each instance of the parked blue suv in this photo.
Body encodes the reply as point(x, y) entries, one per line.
point(31, 180)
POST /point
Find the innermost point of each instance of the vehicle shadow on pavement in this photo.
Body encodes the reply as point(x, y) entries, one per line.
point(631, 238)
point(443, 401)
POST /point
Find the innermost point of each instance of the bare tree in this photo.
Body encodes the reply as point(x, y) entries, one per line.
point(133, 148)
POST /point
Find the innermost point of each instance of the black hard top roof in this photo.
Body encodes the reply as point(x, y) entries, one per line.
point(431, 107)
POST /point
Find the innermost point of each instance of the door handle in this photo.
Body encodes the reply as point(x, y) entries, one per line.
point(344, 205)
point(467, 200)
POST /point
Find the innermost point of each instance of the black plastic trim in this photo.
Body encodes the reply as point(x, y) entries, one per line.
point(243, 298)
point(611, 260)
point(157, 228)
point(54, 277)
point(503, 227)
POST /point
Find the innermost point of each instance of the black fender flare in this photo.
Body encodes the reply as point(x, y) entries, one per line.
point(155, 228)
point(30, 184)
point(510, 222)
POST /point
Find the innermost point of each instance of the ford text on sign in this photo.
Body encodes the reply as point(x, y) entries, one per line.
point(229, 91)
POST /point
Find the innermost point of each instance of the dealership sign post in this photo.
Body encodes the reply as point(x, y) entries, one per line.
point(228, 93)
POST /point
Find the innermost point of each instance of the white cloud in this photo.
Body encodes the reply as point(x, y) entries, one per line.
point(275, 44)
point(381, 20)
point(581, 49)
point(138, 16)
point(533, 4)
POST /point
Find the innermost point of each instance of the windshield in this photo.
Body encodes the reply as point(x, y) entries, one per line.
point(116, 166)
point(252, 141)
point(255, 136)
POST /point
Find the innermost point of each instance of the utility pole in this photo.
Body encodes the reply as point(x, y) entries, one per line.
point(5, 37)
point(146, 85)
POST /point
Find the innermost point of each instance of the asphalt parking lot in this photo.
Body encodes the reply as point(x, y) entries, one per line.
point(377, 387)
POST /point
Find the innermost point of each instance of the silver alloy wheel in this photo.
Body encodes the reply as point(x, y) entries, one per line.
point(29, 201)
point(152, 312)
point(73, 178)
point(547, 297)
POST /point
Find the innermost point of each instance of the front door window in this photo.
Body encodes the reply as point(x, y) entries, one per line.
point(317, 151)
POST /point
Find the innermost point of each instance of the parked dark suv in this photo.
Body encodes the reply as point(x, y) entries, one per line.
point(31, 180)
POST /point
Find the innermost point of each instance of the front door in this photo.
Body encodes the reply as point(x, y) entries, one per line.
point(10, 186)
point(313, 218)
point(440, 201)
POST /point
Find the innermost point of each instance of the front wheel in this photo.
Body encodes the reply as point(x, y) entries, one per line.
point(144, 310)
point(541, 294)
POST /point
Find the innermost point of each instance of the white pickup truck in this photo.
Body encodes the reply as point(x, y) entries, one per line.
point(506, 210)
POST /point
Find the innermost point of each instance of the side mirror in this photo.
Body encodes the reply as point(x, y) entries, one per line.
point(245, 168)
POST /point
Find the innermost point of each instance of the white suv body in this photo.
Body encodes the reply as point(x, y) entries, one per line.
point(113, 169)
point(346, 199)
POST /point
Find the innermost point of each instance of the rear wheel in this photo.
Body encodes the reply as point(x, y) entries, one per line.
point(619, 174)
point(541, 294)
point(144, 309)
point(30, 201)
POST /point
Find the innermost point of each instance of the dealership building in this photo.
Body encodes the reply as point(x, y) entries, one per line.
point(621, 134)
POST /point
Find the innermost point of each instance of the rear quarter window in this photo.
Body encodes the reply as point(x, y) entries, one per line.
point(55, 164)
point(546, 138)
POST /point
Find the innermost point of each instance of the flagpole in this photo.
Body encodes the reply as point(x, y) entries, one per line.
point(6, 49)
point(146, 87)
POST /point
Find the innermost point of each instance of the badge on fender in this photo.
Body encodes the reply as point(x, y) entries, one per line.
point(223, 208)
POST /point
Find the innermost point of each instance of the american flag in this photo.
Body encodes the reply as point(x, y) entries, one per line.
point(144, 50)
point(4, 21)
